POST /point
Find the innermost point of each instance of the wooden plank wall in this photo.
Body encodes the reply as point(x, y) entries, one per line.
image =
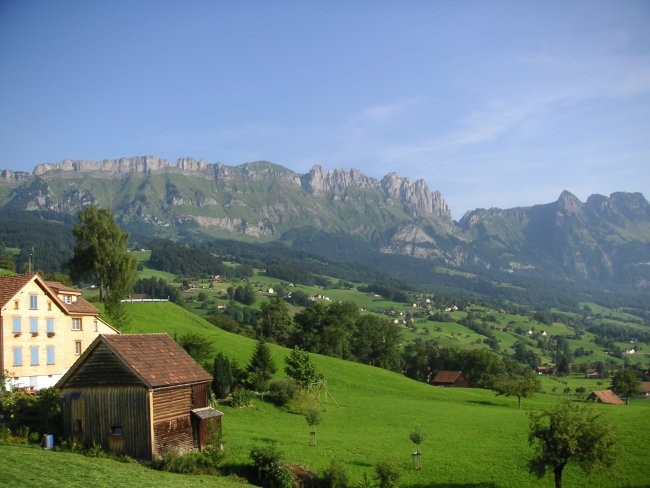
point(104, 408)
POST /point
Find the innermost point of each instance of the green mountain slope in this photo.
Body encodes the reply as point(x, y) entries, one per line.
point(474, 438)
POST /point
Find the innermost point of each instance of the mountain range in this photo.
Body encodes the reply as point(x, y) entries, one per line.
point(348, 216)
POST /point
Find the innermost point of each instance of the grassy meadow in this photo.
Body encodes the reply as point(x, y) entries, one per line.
point(473, 437)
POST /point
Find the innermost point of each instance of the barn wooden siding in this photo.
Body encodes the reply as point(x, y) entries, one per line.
point(172, 423)
point(126, 407)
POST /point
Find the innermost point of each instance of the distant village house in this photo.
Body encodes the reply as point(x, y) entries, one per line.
point(450, 378)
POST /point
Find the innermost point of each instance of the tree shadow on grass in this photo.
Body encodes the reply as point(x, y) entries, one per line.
point(484, 402)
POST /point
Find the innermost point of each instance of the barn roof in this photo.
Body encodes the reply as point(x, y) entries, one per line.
point(607, 396)
point(154, 358)
point(447, 376)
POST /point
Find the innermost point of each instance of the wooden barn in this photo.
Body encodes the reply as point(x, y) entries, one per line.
point(450, 378)
point(140, 395)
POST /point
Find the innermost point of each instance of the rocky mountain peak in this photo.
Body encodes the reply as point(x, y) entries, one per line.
point(319, 182)
point(569, 202)
point(415, 196)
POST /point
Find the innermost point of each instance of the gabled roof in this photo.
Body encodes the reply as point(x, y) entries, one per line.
point(155, 359)
point(607, 396)
point(11, 285)
point(79, 306)
point(447, 376)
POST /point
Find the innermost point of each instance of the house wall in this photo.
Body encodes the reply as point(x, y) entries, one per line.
point(43, 375)
point(100, 411)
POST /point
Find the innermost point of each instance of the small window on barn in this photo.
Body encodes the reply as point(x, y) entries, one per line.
point(77, 426)
point(117, 430)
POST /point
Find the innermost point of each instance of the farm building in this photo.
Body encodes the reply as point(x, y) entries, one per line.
point(140, 395)
point(450, 378)
point(605, 396)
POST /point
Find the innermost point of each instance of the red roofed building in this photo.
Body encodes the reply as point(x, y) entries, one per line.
point(140, 395)
point(44, 327)
point(605, 396)
point(450, 378)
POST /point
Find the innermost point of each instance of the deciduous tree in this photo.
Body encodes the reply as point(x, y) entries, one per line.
point(521, 387)
point(569, 433)
point(101, 254)
point(626, 384)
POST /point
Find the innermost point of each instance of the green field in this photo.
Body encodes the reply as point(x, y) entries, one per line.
point(473, 437)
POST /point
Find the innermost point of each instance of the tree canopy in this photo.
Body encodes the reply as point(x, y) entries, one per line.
point(626, 384)
point(101, 254)
point(566, 433)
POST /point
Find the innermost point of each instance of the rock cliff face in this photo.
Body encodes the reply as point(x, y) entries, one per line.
point(602, 239)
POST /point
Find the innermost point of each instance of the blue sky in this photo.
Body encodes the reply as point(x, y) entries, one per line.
point(494, 104)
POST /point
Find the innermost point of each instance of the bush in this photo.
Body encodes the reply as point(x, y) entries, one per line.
point(190, 463)
point(282, 391)
point(270, 470)
point(241, 398)
point(335, 475)
point(387, 473)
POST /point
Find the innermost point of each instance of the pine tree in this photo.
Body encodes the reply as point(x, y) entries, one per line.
point(261, 368)
point(223, 377)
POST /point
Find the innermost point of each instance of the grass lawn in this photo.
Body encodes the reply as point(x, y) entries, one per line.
point(473, 437)
point(24, 466)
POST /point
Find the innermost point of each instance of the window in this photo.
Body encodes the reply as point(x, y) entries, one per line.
point(18, 356)
point(117, 430)
point(16, 304)
point(16, 328)
point(77, 426)
point(96, 325)
point(67, 299)
point(50, 355)
point(33, 302)
point(77, 348)
point(33, 353)
point(76, 324)
point(49, 326)
point(33, 325)
point(49, 306)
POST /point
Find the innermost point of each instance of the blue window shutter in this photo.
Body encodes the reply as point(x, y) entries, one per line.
point(33, 325)
point(33, 302)
point(18, 356)
point(16, 326)
point(50, 354)
point(34, 354)
point(49, 325)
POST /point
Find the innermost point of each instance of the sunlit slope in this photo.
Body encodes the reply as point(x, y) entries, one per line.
point(472, 436)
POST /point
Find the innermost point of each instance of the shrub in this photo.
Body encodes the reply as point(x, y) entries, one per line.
point(189, 463)
point(241, 398)
point(335, 475)
point(270, 470)
point(282, 391)
point(387, 473)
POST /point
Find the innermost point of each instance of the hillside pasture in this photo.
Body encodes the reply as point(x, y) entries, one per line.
point(473, 437)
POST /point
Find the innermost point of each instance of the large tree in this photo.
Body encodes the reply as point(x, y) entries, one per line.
point(626, 384)
point(101, 254)
point(569, 433)
point(275, 321)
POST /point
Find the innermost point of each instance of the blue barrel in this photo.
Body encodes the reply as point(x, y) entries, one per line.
point(48, 441)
